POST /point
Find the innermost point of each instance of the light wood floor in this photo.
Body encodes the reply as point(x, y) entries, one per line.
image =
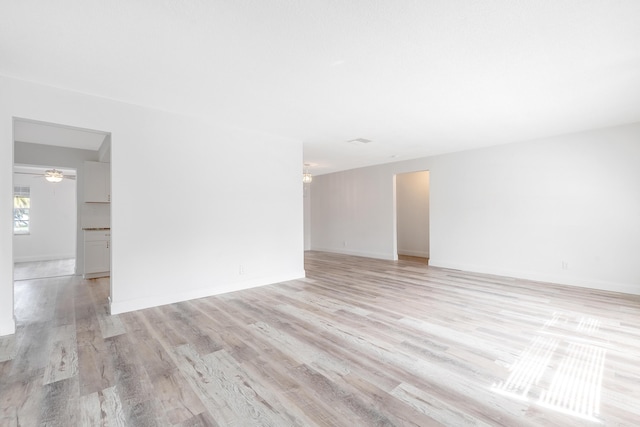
point(417, 259)
point(360, 342)
point(44, 269)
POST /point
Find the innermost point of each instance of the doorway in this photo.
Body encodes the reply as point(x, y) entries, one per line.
point(39, 147)
point(412, 216)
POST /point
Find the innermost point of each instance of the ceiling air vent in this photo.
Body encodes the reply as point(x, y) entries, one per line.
point(359, 141)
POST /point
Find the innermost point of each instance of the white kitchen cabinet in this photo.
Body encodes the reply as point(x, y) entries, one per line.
point(97, 253)
point(97, 182)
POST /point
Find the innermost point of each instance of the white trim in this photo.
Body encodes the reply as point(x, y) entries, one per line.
point(8, 327)
point(33, 258)
point(626, 288)
point(394, 213)
point(96, 275)
point(376, 255)
point(118, 307)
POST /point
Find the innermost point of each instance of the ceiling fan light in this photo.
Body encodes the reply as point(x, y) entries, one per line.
point(53, 175)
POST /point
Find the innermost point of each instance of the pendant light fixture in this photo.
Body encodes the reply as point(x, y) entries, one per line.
point(53, 175)
point(306, 176)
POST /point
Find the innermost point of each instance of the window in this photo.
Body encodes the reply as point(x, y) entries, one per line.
point(21, 207)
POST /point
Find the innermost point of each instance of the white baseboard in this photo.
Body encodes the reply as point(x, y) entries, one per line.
point(625, 288)
point(376, 255)
point(35, 258)
point(96, 275)
point(7, 326)
point(118, 307)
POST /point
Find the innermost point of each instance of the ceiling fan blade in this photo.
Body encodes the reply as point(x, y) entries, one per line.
point(29, 173)
point(40, 175)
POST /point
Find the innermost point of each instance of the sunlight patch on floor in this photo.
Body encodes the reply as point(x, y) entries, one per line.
point(561, 368)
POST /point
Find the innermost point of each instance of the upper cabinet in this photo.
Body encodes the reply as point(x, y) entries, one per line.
point(97, 182)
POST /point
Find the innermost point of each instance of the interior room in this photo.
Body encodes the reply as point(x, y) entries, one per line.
point(320, 213)
point(44, 232)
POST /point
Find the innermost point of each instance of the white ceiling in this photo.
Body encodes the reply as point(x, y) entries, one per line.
point(415, 77)
point(62, 136)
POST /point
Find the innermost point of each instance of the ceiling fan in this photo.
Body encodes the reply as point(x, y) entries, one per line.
point(51, 175)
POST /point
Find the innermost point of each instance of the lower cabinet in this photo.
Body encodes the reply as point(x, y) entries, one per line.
point(97, 253)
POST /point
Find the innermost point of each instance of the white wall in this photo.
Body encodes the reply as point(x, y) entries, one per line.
point(7, 323)
point(307, 216)
point(519, 209)
point(230, 204)
point(412, 204)
point(352, 212)
point(52, 222)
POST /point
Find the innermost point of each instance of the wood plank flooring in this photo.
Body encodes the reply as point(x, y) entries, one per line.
point(44, 269)
point(360, 342)
point(417, 259)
